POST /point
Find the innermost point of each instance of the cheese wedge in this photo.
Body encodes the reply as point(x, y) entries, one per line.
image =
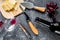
point(9, 5)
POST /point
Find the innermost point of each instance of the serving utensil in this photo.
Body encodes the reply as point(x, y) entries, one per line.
point(25, 31)
point(33, 28)
point(53, 26)
point(30, 5)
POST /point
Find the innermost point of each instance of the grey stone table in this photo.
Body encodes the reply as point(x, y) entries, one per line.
point(44, 32)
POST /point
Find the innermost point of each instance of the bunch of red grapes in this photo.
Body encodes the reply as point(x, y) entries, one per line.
point(51, 8)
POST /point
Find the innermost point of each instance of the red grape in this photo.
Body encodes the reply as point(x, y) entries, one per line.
point(51, 9)
point(55, 6)
point(48, 5)
point(13, 21)
point(1, 23)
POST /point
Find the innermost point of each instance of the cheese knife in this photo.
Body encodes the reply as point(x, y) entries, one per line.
point(33, 28)
point(30, 5)
point(53, 26)
point(25, 31)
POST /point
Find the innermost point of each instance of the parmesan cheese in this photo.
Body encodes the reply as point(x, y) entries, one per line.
point(9, 5)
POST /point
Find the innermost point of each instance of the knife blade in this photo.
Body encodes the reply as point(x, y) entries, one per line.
point(54, 27)
point(39, 20)
point(46, 22)
point(30, 5)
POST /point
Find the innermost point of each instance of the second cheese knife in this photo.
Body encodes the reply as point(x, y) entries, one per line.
point(33, 28)
point(30, 5)
point(53, 26)
point(25, 31)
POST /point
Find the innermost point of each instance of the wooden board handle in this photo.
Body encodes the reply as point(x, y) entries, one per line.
point(11, 14)
point(41, 9)
point(33, 28)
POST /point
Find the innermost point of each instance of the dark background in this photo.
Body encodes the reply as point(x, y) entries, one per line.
point(44, 32)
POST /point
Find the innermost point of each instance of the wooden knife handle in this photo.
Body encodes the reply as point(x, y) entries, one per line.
point(41, 9)
point(33, 28)
point(22, 28)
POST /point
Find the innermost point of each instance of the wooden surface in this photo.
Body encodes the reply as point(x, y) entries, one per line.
point(13, 13)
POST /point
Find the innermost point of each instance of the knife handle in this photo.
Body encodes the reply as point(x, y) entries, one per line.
point(41, 9)
point(33, 28)
point(24, 30)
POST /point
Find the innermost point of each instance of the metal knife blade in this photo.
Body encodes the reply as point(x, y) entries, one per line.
point(28, 5)
point(46, 22)
point(54, 27)
point(27, 17)
point(42, 20)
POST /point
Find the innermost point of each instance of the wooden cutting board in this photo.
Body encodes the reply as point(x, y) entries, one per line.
point(11, 14)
